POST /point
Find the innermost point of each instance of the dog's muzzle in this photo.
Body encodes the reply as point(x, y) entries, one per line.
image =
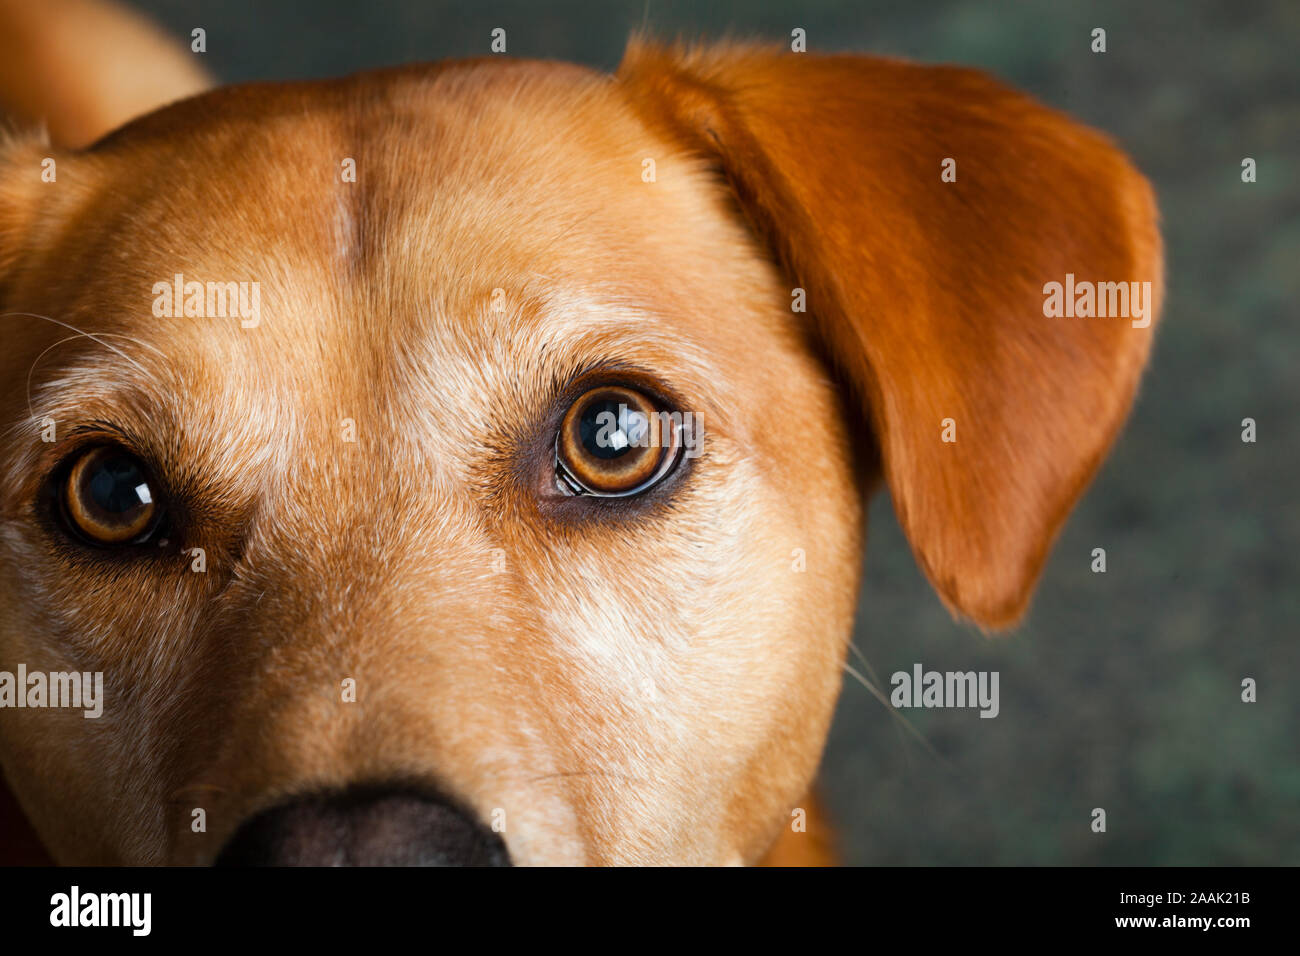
point(364, 827)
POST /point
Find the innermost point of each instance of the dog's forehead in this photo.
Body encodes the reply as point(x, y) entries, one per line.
point(444, 201)
point(418, 249)
point(391, 191)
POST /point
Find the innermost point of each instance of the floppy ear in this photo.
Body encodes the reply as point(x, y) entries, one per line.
point(931, 293)
point(84, 67)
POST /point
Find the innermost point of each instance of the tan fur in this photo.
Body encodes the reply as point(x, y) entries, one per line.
point(654, 687)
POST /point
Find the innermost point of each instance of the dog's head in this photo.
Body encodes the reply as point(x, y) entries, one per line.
point(500, 430)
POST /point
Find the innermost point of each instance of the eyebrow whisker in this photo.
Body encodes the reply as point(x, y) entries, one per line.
point(94, 337)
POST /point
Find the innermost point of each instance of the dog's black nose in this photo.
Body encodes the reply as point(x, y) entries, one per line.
point(364, 827)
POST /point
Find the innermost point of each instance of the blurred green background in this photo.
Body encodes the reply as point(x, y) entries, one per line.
point(1122, 690)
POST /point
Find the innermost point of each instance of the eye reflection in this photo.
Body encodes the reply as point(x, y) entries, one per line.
point(609, 429)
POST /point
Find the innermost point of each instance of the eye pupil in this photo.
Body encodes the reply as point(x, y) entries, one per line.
point(610, 429)
point(118, 486)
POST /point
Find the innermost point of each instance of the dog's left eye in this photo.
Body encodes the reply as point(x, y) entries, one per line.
point(108, 497)
point(615, 442)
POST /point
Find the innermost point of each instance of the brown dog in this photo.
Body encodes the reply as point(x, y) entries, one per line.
point(364, 577)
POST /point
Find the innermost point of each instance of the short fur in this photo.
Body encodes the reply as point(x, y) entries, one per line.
point(649, 683)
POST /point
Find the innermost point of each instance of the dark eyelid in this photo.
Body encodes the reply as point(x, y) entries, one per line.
point(85, 434)
point(616, 373)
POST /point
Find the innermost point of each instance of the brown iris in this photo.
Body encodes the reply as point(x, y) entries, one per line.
point(614, 442)
point(109, 497)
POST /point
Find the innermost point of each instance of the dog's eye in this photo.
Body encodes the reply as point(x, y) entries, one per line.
point(615, 442)
point(108, 497)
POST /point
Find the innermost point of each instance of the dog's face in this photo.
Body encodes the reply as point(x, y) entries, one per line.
point(409, 525)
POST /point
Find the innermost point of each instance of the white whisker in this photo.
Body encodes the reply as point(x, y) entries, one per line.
point(902, 721)
point(99, 338)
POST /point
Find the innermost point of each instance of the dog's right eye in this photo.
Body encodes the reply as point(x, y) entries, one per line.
point(615, 442)
point(108, 497)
